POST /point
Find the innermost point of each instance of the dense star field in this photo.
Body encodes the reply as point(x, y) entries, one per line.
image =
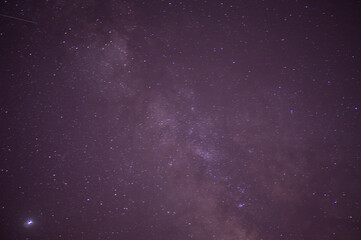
point(175, 120)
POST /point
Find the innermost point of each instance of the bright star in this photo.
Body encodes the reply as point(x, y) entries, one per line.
point(28, 223)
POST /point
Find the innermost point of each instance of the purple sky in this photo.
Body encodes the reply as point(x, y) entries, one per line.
point(175, 120)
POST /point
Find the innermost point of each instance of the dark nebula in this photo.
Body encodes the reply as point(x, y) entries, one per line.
point(174, 120)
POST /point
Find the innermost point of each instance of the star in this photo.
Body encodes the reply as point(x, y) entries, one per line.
point(180, 120)
point(28, 223)
point(241, 205)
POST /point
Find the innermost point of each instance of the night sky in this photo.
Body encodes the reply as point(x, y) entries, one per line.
point(175, 120)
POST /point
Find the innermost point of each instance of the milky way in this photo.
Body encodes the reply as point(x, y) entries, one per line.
point(180, 120)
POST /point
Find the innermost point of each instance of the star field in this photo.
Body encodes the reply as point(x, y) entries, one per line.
point(233, 120)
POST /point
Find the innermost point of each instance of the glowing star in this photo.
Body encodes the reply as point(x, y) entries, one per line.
point(28, 223)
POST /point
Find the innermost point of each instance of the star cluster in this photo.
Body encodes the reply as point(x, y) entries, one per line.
point(180, 120)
